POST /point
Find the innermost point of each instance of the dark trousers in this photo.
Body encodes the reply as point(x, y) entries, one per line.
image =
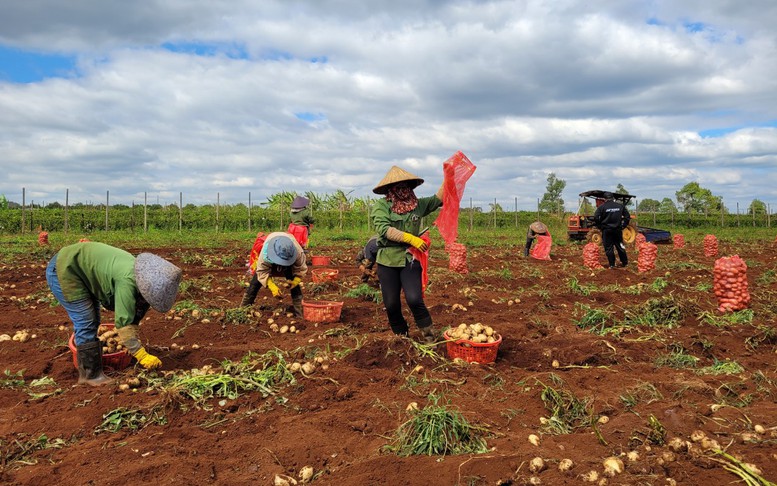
point(529, 241)
point(253, 288)
point(393, 280)
point(613, 238)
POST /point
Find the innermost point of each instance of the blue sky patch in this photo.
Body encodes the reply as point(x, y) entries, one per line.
point(310, 117)
point(719, 132)
point(20, 66)
point(232, 51)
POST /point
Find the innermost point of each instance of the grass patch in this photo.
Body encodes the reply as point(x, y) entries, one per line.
point(437, 429)
point(643, 393)
point(365, 292)
point(725, 367)
point(132, 419)
point(658, 312)
point(676, 358)
point(728, 319)
point(19, 451)
point(12, 380)
point(594, 320)
point(567, 412)
point(239, 315)
point(576, 288)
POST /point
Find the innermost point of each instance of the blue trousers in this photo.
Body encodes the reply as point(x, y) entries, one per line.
point(84, 313)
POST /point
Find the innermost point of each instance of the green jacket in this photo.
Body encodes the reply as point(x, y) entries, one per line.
point(392, 253)
point(98, 271)
point(302, 217)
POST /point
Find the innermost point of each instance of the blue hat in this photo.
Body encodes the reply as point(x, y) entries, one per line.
point(300, 202)
point(281, 250)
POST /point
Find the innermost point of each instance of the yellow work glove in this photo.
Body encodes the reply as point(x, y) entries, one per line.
point(296, 282)
point(415, 241)
point(276, 292)
point(148, 361)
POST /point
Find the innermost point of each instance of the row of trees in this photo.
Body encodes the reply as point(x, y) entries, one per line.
point(691, 199)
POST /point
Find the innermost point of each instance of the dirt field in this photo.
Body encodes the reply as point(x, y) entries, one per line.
point(624, 372)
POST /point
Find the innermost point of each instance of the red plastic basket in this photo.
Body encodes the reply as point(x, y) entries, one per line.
point(322, 311)
point(472, 352)
point(319, 275)
point(114, 361)
point(320, 260)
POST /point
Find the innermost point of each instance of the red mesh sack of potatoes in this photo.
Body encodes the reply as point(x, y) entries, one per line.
point(710, 246)
point(639, 240)
point(591, 256)
point(43, 238)
point(647, 257)
point(679, 241)
point(458, 257)
point(730, 284)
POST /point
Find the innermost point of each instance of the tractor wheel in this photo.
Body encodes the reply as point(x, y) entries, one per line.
point(629, 234)
point(594, 236)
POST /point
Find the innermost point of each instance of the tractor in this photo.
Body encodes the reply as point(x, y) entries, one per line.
point(581, 226)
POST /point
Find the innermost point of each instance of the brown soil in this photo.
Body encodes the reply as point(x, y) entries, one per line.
point(339, 420)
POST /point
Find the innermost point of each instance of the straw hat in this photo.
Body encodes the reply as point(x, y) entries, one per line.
point(300, 202)
point(538, 227)
point(397, 174)
point(157, 280)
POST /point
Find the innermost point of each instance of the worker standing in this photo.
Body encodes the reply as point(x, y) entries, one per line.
point(301, 221)
point(611, 217)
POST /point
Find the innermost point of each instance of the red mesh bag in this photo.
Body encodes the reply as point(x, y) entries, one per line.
point(730, 284)
point(639, 240)
point(710, 246)
point(646, 260)
point(43, 238)
point(679, 241)
point(456, 172)
point(299, 232)
point(591, 256)
point(255, 250)
point(541, 249)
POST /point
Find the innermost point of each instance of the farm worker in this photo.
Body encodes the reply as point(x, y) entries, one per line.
point(84, 276)
point(611, 217)
point(280, 256)
point(535, 229)
point(397, 220)
point(301, 221)
point(366, 258)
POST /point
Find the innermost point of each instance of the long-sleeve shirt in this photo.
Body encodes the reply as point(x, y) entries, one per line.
point(611, 215)
point(393, 253)
point(93, 270)
point(368, 254)
point(265, 269)
point(302, 217)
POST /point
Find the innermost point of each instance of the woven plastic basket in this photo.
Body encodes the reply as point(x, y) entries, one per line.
point(114, 361)
point(319, 275)
point(322, 311)
point(320, 260)
point(472, 352)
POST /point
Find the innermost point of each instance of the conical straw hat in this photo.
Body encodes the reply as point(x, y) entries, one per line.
point(397, 174)
point(538, 227)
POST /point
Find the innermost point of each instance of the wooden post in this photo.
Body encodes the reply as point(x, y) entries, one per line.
point(249, 211)
point(132, 217)
point(67, 194)
point(218, 204)
point(721, 210)
point(145, 212)
point(471, 210)
point(494, 212)
point(107, 203)
point(180, 211)
point(24, 202)
point(341, 216)
point(538, 210)
point(753, 209)
point(516, 212)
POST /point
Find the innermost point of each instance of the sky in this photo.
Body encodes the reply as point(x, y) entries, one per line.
point(216, 99)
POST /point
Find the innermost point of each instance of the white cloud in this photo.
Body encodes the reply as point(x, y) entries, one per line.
point(598, 96)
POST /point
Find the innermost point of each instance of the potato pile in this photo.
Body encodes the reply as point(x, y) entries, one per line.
point(679, 241)
point(730, 284)
point(324, 274)
point(647, 257)
point(639, 240)
point(43, 238)
point(710, 246)
point(310, 366)
point(458, 257)
point(591, 256)
point(110, 339)
point(477, 333)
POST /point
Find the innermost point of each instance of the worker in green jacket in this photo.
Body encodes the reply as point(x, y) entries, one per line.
point(85, 276)
point(397, 221)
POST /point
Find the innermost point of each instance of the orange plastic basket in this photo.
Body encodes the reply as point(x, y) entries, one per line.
point(319, 275)
point(114, 361)
point(472, 352)
point(320, 260)
point(322, 311)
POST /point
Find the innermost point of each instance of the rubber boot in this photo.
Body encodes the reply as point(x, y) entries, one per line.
point(428, 334)
point(297, 304)
point(90, 364)
point(250, 295)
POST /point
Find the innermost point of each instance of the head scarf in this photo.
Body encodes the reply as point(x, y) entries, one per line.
point(402, 198)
